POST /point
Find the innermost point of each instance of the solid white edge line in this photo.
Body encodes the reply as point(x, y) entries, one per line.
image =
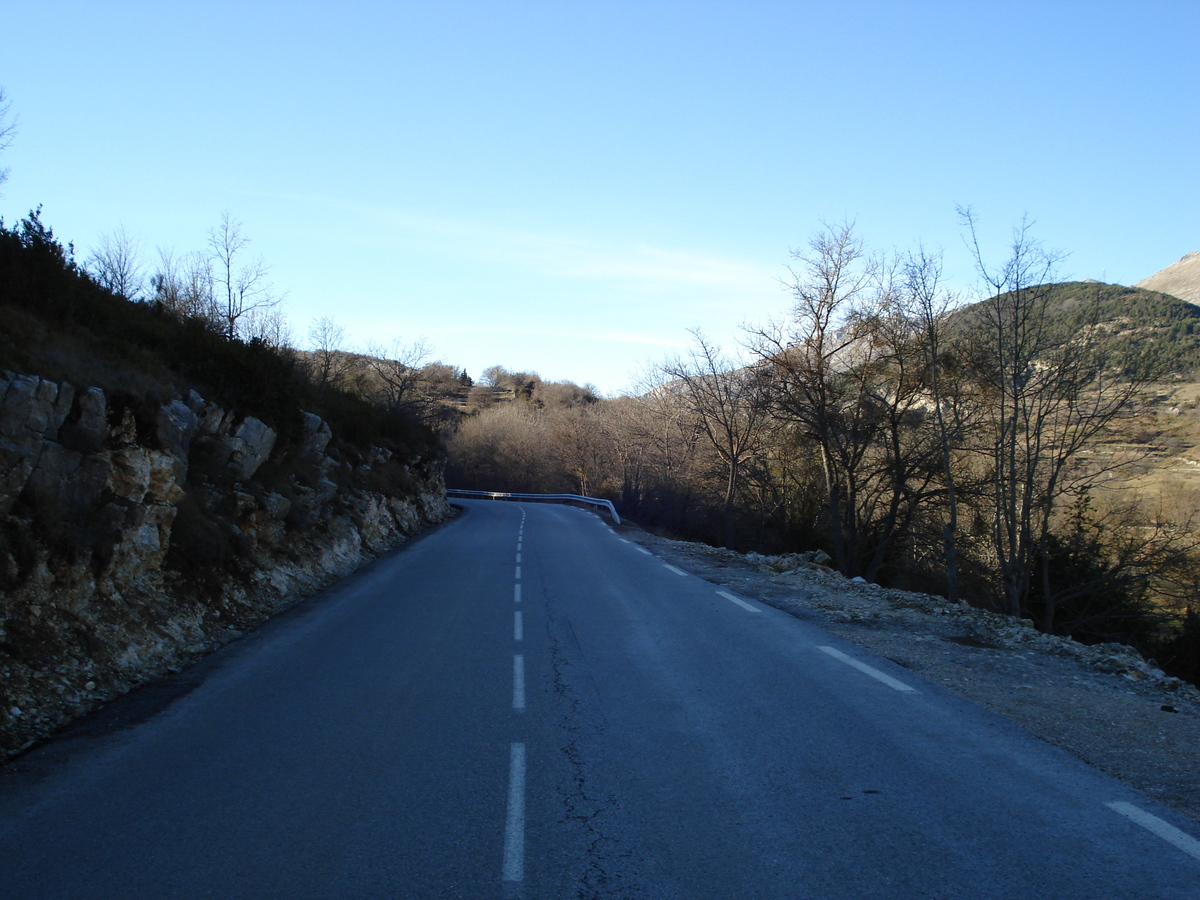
point(518, 681)
point(516, 593)
point(1168, 832)
point(867, 670)
point(518, 626)
point(738, 600)
point(514, 823)
point(675, 570)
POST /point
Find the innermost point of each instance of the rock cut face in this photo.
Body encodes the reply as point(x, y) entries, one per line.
point(93, 501)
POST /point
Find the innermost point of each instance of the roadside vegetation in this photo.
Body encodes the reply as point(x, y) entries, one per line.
point(59, 321)
point(979, 450)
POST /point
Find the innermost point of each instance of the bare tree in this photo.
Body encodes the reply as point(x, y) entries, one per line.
point(659, 444)
point(901, 472)
point(268, 325)
point(184, 287)
point(116, 264)
point(8, 130)
point(580, 445)
point(396, 380)
point(849, 374)
point(495, 376)
point(241, 286)
point(812, 359)
point(1048, 395)
point(330, 366)
point(929, 306)
point(729, 401)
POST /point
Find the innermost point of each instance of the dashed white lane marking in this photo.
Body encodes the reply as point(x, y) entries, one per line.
point(518, 556)
point(514, 823)
point(518, 573)
point(518, 681)
point(642, 550)
point(518, 626)
point(1157, 826)
point(867, 670)
point(516, 593)
point(738, 600)
point(675, 570)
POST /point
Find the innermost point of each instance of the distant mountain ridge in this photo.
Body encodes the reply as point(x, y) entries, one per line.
point(1180, 279)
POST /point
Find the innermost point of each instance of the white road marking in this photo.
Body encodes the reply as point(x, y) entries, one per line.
point(738, 600)
point(1157, 826)
point(518, 681)
point(675, 570)
point(518, 573)
point(867, 670)
point(644, 550)
point(518, 546)
point(518, 626)
point(518, 557)
point(516, 593)
point(514, 823)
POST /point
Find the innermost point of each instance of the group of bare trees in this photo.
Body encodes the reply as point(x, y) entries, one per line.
point(227, 289)
point(403, 379)
point(222, 285)
point(917, 439)
point(974, 426)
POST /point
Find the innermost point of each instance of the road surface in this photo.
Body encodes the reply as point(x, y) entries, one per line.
point(523, 704)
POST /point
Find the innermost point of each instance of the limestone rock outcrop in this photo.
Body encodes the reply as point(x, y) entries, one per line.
point(134, 538)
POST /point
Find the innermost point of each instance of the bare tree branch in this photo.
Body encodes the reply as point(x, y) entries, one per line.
point(243, 287)
point(8, 130)
point(116, 264)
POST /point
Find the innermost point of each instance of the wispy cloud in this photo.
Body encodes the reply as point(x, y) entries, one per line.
point(638, 263)
point(606, 336)
point(564, 257)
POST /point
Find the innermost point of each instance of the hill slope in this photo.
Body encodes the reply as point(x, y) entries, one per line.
point(1159, 327)
point(1180, 279)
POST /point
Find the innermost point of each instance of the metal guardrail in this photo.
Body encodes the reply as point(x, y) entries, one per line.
point(547, 498)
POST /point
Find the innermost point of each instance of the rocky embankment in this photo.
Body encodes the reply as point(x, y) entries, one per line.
point(136, 536)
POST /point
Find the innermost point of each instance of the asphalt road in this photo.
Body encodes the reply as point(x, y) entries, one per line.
point(522, 704)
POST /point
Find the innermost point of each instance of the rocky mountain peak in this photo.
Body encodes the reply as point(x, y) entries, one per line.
point(1180, 279)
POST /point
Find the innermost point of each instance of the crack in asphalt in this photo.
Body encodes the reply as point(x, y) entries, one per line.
point(584, 807)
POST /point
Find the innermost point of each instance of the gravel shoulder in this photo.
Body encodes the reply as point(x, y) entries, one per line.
point(1104, 704)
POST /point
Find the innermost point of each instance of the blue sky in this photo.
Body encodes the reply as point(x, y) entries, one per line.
point(568, 187)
